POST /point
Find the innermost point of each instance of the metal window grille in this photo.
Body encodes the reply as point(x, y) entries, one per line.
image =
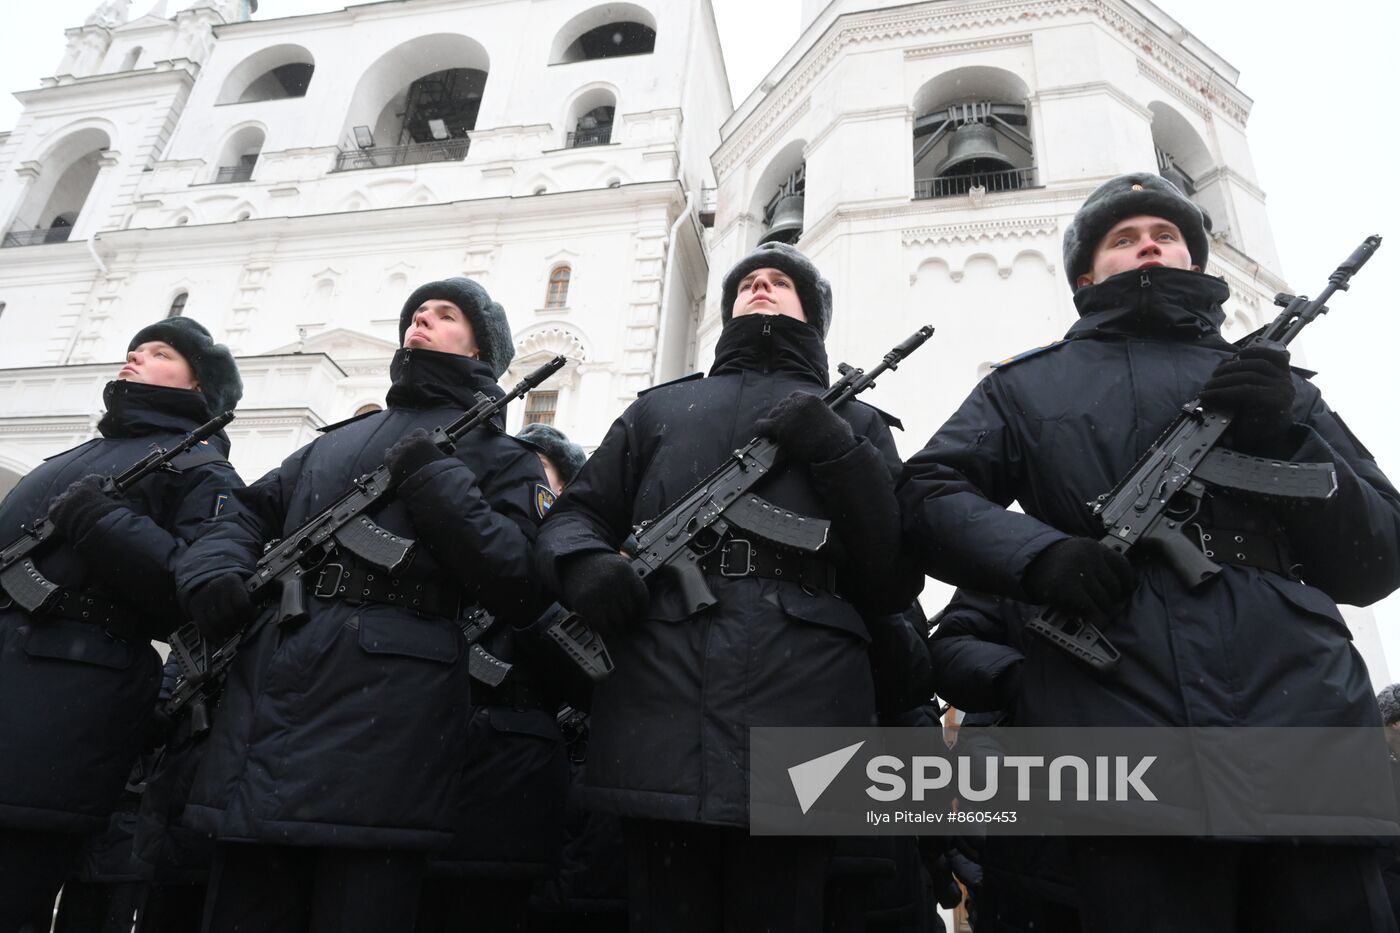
point(540, 407)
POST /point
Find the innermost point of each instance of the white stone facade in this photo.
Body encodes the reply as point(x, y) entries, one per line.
point(173, 160)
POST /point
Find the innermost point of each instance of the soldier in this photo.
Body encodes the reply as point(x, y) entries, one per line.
point(78, 682)
point(669, 728)
point(510, 819)
point(331, 767)
point(1054, 428)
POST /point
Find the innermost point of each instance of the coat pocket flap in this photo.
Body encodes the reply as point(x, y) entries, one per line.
point(534, 722)
point(822, 609)
point(73, 641)
point(410, 638)
point(1309, 599)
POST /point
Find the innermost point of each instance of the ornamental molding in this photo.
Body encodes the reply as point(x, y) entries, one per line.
point(1174, 89)
point(762, 148)
point(985, 231)
point(551, 339)
point(937, 18)
point(1095, 89)
point(971, 45)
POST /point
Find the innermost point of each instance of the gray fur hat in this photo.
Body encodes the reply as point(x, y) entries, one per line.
point(812, 290)
point(566, 456)
point(487, 318)
point(1389, 702)
point(212, 363)
point(1127, 196)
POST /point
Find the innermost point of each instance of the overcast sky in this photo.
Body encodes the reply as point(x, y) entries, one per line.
point(1322, 133)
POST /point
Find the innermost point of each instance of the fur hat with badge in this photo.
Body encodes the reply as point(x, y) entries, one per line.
point(212, 363)
point(566, 456)
point(812, 290)
point(488, 319)
point(1135, 195)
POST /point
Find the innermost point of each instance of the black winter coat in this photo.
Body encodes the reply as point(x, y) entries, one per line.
point(1055, 428)
point(670, 726)
point(349, 729)
point(74, 698)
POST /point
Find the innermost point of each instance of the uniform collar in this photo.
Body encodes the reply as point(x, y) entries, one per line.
point(135, 409)
point(432, 379)
point(1158, 302)
point(770, 343)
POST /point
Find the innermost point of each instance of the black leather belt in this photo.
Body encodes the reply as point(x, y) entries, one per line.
point(1250, 548)
point(740, 557)
point(95, 609)
point(359, 583)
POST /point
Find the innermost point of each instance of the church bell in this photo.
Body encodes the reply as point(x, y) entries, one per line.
point(972, 150)
point(787, 220)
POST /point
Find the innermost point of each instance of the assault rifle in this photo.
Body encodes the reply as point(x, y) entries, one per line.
point(678, 539)
point(1150, 507)
point(345, 526)
point(21, 579)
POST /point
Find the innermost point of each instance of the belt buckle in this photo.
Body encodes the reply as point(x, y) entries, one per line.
point(320, 590)
point(724, 565)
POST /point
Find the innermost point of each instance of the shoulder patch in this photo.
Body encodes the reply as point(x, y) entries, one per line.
point(661, 385)
point(197, 456)
point(220, 501)
point(544, 499)
point(340, 424)
point(1026, 354)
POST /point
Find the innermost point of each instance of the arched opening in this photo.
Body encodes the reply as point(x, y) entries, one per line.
point(408, 109)
point(779, 196)
point(609, 31)
point(177, 304)
point(275, 73)
point(972, 134)
point(590, 119)
point(56, 198)
point(369, 408)
point(1184, 160)
point(239, 155)
point(557, 294)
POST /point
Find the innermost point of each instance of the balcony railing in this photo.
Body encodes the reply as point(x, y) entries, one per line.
point(600, 135)
point(232, 174)
point(36, 237)
point(446, 150)
point(948, 186)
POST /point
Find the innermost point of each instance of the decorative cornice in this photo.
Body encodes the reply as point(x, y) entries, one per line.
point(970, 45)
point(758, 150)
point(1173, 88)
point(935, 18)
point(984, 231)
point(1096, 89)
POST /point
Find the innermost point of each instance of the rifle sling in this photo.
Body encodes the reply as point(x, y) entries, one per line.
point(116, 618)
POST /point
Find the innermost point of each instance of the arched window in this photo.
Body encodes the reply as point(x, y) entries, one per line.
point(177, 304)
point(275, 73)
point(366, 409)
point(558, 294)
point(972, 134)
point(55, 200)
point(606, 31)
point(240, 156)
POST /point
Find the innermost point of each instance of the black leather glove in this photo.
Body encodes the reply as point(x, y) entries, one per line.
point(1080, 576)
point(410, 454)
point(220, 608)
point(807, 429)
point(1257, 388)
point(81, 506)
point(604, 589)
